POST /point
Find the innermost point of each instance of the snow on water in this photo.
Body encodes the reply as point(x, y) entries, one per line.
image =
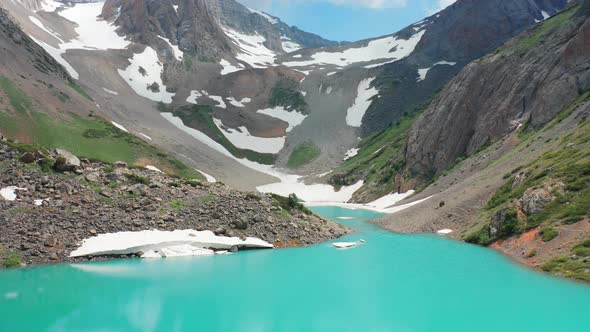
point(11, 295)
point(390, 48)
point(293, 118)
point(239, 103)
point(143, 241)
point(351, 153)
point(228, 68)
point(288, 183)
point(243, 139)
point(208, 177)
point(253, 51)
point(119, 126)
point(139, 79)
point(153, 168)
point(289, 45)
point(177, 52)
point(9, 193)
point(424, 71)
point(269, 18)
point(356, 112)
point(114, 93)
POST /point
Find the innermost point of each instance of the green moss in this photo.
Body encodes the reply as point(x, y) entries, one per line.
point(136, 179)
point(178, 205)
point(576, 266)
point(303, 154)
point(9, 258)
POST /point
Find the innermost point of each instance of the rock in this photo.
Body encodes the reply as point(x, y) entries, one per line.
point(92, 177)
point(234, 249)
point(138, 189)
point(66, 161)
point(28, 157)
point(534, 200)
point(241, 223)
point(120, 164)
point(219, 231)
point(105, 193)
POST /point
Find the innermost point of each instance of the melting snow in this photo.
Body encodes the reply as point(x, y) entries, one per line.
point(114, 93)
point(242, 139)
point(253, 51)
point(384, 48)
point(177, 52)
point(219, 100)
point(134, 242)
point(208, 177)
point(356, 112)
point(119, 126)
point(44, 28)
point(146, 136)
point(154, 168)
point(175, 8)
point(351, 153)
point(545, 15)
point(444, 231)
point(293, 118)
point(139, 82)
point(289, 45)
point(193, 97)
point(288, 183)
point(424, 71)
point(239, 103)
point(9, 193)
point(228, 68)
point(344, 245)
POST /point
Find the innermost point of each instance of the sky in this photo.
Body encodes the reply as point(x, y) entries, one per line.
point(349, 20)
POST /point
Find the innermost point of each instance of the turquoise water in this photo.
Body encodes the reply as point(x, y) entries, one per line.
point(390, 283)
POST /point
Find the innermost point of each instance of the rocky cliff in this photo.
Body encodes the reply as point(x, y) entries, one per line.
point(525, 83)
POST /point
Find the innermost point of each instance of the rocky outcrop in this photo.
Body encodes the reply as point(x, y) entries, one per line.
point(526, 82)
point(53, 212)
point(465, 31)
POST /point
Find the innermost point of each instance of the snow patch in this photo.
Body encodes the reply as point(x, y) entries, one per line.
point(238, 103)
point(444, 231)
point(253, 51)
point(228, 68)
point(356, 112)
point(545, 15)
point(293, 118)
point(193, 97)
point(133, 242)
point(119, 126)
point(243, 139)
point(153, 168)
point(177, 52)
point(9, 193)
point(269, 18)
point(391, 48)
point(208, 177)
point(424, 71)
point(289, 45)
point(114, 93)
point(219, 100)
point(351, 153)
point(144, 70)
point(145, 136)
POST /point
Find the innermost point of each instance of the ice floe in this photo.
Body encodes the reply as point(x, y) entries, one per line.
point(243, 139)
point(390, 48)
point(123, 243)
point(344, 245)
point(146, 69)
point(356, 112)
point(293, 118)
point(120, 127)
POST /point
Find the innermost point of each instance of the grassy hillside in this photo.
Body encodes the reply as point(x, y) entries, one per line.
point(303, 154)
point(91, 137)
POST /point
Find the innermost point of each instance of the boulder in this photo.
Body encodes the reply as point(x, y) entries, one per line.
point(66, 161)
point(28, 157)
point(534, 200)
point(92, 177)
point(120, 164)
point(138, 189)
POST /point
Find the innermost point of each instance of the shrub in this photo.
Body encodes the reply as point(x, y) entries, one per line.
point(548, 233)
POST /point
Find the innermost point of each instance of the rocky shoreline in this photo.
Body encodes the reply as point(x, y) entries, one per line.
point(61, 200)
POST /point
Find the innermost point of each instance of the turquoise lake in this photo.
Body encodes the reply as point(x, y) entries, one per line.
point(390, 283)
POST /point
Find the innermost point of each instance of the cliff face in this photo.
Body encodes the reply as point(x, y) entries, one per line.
point(525, 83)
point(465, 31)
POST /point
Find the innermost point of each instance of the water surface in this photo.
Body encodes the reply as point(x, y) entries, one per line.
point(390, 283)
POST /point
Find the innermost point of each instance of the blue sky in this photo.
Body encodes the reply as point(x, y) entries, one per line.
point(349, 19)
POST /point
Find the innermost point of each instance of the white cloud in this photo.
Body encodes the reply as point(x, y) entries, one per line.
point(266, 5)
point(440, 5)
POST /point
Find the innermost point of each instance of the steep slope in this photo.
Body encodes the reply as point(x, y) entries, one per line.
point(524, 190)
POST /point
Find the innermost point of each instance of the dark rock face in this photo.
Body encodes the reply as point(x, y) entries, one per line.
point(463, 32)
point(195, 25)
point(527, 82)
